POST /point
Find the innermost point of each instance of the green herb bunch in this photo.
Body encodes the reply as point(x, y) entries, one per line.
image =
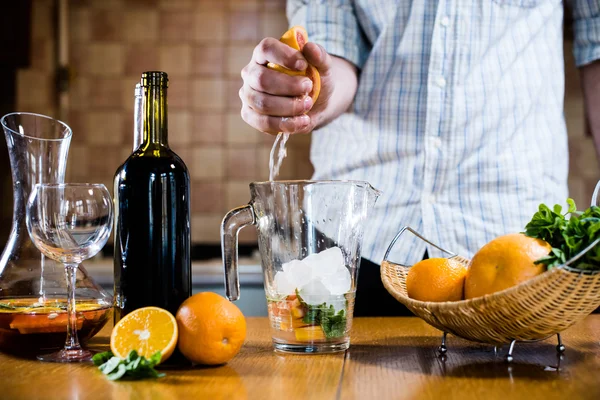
point(132, 367)
point(567, 236)
point(332, 323)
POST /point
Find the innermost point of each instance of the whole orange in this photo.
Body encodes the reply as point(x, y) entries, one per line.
point(212, 329)
point(436, 279)
point(504, 262)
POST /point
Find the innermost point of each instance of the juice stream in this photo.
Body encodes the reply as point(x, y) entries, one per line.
point(274, 165)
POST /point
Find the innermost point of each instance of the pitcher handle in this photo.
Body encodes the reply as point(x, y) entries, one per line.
point(235, 220)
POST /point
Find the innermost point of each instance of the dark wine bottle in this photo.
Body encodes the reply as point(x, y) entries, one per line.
point(152, 263)
point(138, 116)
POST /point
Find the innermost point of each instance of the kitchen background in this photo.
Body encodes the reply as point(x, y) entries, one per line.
point(203, 45)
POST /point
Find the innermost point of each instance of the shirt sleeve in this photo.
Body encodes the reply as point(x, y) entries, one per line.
point(586, 29)
point(334, 25)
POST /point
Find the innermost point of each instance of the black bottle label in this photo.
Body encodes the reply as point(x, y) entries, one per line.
point(152, 235)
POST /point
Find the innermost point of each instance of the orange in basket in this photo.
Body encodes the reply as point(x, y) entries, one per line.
point(504, 262)
point(436, 279)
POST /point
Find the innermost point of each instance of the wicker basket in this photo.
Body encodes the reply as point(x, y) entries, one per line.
point(533, 310)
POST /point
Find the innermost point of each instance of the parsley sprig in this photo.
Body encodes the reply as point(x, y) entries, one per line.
point(567, 236)
point(332, 323)
point(132, 367)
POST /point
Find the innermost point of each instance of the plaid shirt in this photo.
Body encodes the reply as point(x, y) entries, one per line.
point(458, 117)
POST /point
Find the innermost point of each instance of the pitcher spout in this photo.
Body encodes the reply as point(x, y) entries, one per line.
point(373, 194)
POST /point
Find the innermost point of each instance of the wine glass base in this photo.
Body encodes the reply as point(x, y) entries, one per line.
point(67, 356)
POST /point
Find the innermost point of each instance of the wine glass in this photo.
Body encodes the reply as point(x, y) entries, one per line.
point(69, 223)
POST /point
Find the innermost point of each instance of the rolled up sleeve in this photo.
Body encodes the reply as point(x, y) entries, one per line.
point(332, 24)
point(586, 29)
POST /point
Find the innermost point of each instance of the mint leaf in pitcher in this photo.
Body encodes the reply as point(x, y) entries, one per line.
point(332, 323)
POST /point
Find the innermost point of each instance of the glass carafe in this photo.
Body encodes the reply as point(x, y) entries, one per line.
point(33, 288)
point(309, 238)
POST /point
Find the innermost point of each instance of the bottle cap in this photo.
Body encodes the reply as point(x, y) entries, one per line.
point(155, 78)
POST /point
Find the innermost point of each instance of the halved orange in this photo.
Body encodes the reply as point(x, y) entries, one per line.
point(296, 37)
point(146, 330)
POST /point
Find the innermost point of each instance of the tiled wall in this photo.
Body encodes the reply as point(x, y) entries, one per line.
point(35, 89)
point(202, 44)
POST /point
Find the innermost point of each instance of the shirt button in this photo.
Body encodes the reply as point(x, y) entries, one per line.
point(429, 198)
point(436, 142)
point(441, 82)
point(445, 21)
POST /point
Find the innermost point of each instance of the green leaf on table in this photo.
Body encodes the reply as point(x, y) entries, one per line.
point(109, 366)
point(155, 358)
point(101, 358)
point(132, 367)
point(118, 374)
point(132, 356)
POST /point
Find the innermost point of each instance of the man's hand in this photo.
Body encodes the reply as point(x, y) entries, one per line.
point(275, 102)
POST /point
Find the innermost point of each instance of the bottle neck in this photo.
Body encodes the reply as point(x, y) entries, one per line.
point(138, 117)
point(155, 117)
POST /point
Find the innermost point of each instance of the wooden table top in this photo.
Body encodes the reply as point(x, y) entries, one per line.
point(390, 358)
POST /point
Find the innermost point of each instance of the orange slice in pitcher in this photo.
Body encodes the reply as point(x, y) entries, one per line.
point(309, 334)
point(146, 330)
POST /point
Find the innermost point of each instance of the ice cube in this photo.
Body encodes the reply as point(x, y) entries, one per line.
point(325, 263)
point(283, 284)
point(297, 273)
point(340, 282)
point(315, 292)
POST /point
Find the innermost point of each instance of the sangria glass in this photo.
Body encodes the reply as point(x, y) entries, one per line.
point(309, 237)
point(33, 291)
point(69, 223)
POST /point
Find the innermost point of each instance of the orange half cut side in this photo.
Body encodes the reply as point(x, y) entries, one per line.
point(146, 330)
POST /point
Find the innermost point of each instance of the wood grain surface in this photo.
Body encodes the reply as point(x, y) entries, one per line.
point(390, 358)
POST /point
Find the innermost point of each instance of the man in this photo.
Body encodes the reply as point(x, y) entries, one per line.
point(454, 109)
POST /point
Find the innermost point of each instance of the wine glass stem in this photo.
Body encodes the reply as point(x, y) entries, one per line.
point(72, 342)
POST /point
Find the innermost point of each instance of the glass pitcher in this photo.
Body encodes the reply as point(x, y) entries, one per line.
point(309, 237)
point(33, 288)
